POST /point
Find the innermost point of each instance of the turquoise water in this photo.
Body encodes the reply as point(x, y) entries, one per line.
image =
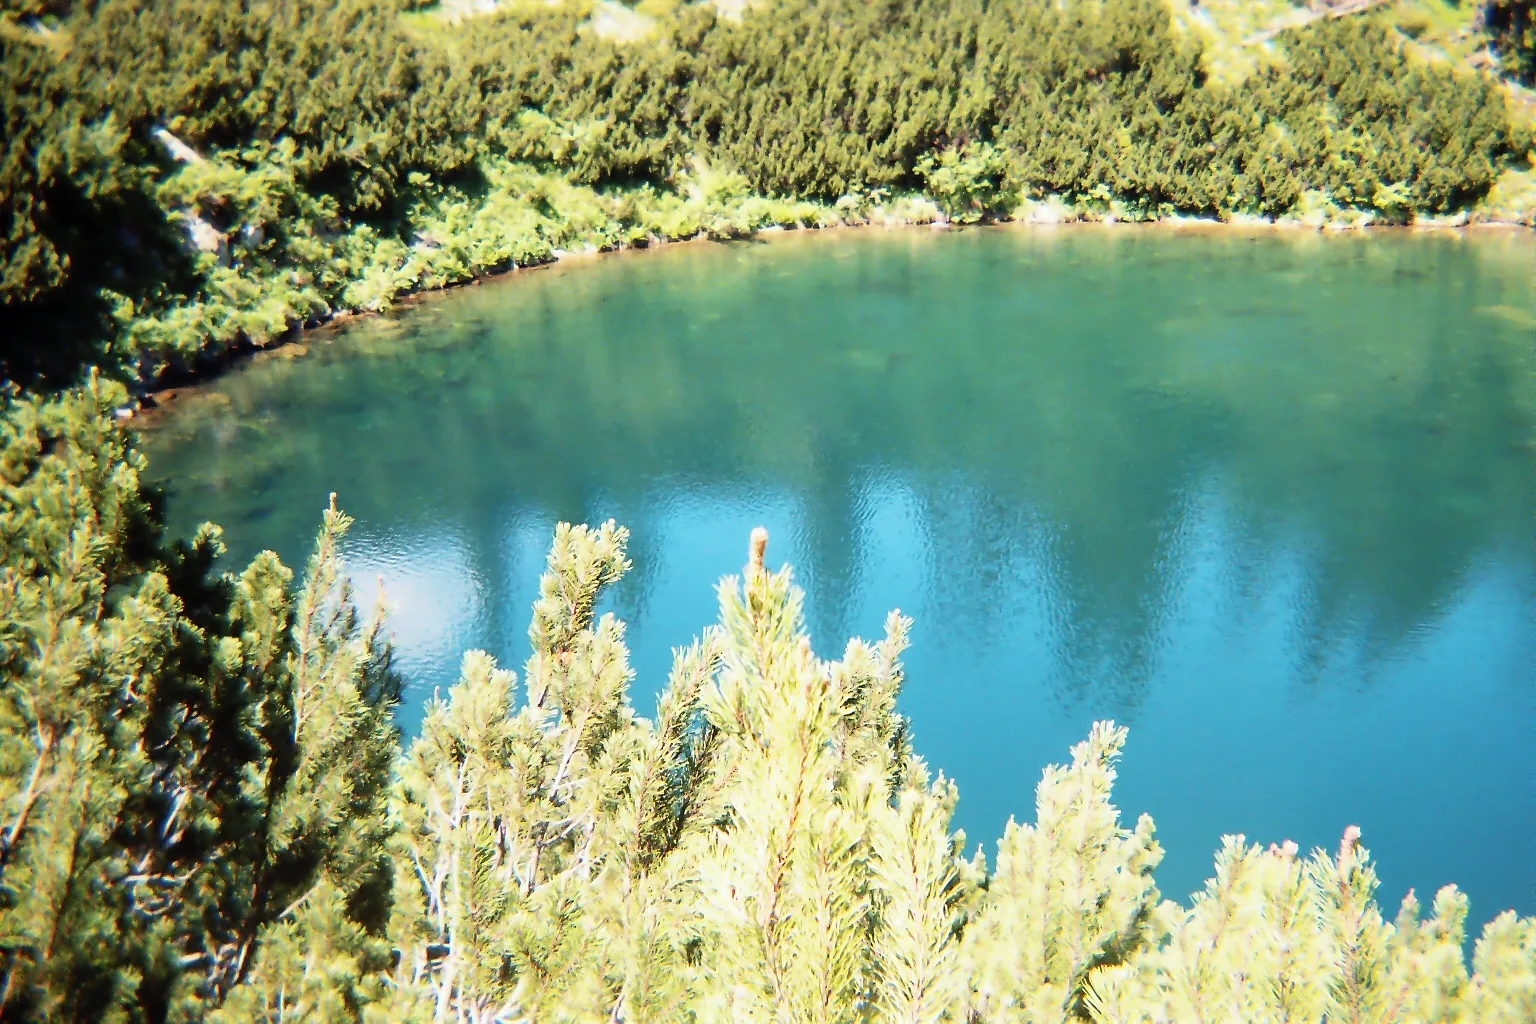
point(1267, 499)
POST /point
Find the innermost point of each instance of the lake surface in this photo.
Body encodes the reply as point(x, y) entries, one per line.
point(1267, 499)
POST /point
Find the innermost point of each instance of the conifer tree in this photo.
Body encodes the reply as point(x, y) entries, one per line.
point(1070, 893)
point(135, 709)
point(207, 816)
point(1276, 938)
point(87, 631)
point(500, 809)
point(313, 943)
point(188, 760)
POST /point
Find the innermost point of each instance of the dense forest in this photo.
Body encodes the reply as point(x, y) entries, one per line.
point(185, 176)
point(208, 814)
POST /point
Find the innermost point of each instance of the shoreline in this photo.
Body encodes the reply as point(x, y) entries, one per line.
point(151, 406)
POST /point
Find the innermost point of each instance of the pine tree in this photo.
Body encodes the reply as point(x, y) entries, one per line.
point(1070, 894)
point(88, 630)
point(188, 760)
point(313, 942)
point(207, 815)
point(500, 809)
point(135, 698)
point(1274, 938)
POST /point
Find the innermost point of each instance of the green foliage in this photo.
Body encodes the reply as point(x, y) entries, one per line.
point(965, 181)
point(1038, 939)
point(1313, 947)
point(288, 258)
point(326, 826)
point(185, 757)
point(1393, 129)
point(207, 814)
point(1512, 24)
point(76, 219)
point(88, 629)
point(343, 154)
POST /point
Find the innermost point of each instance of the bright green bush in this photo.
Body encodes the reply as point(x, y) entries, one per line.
point(182, 757)
point(966, 181)
point(354, 153)
point(206, 813)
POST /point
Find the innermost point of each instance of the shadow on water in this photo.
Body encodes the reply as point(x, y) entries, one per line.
point(1268, 499)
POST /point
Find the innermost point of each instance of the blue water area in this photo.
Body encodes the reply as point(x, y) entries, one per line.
point(1268, 499)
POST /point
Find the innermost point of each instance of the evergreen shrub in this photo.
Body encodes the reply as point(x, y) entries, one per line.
point(335, 155)
point(206, 813)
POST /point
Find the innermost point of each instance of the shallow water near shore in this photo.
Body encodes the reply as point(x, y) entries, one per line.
point(1268, 499)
